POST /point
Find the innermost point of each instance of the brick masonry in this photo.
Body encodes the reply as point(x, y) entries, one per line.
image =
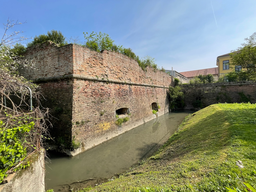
point(84, 89)
point(209, 94)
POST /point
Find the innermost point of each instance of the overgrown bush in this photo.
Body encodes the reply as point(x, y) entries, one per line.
point(19, 49)
point(120, 121)
point(176, 98)
point(54, 36)
point(101, 41)
point(14, 142)
point(202, 79)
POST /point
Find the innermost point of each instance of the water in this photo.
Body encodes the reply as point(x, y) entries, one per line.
point(114, 156)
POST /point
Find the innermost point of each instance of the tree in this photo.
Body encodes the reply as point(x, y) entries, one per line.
point(245, 57)
point(11, 38)
point(99, 42)
point(54, 36)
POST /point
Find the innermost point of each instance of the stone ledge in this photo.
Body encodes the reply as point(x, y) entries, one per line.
point(74, 76)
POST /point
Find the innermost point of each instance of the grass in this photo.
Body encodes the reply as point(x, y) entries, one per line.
point(200, 156)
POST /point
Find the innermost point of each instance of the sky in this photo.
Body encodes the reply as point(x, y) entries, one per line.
point(180, 34)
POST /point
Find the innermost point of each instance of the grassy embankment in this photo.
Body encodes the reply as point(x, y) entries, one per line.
point(200, 156)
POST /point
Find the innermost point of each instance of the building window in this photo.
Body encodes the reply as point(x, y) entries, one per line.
point(226, 65)
point(238, 68)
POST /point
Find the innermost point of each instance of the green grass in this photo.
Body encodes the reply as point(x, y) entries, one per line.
point(200, 156)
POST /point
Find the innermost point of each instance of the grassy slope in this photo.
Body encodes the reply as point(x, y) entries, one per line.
point(201, 156)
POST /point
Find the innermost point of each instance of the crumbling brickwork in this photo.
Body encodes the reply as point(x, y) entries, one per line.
point(88, 91)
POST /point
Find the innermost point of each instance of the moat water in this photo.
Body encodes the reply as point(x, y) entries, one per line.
point(112, 157)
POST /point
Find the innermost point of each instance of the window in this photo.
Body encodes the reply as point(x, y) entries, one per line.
point(238, 68)
point(226, 65)
point(122, 111)
point(154, 106)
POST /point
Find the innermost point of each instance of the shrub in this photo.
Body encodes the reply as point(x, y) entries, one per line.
point(19, 49)
point(176, 97)
point(54, 36)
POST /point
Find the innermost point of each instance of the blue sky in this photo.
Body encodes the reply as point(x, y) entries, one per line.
point(183, 34)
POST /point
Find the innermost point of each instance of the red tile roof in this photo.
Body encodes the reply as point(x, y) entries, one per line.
point(189, 74)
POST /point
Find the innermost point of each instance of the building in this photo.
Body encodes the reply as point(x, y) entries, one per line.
point(192, 74)
point(224, 65)
point(177, 75)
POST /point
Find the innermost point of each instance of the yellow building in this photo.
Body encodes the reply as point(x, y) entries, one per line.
point(224, 67)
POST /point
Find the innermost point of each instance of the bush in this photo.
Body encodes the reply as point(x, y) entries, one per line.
point(176, 98)
point(53, 36)
point(13, 145)
point(18, 49)
point(98, 41)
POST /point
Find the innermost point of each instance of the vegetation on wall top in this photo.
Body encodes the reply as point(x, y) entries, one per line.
point(54, 36)
point(101, 41)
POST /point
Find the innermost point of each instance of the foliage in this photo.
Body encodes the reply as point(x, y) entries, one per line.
point(176, 82)
point(236, 77)
point(154, 112)
point(245, 57)
point(202, 79)
point(9, 39)
point(176, 97)
point(98, 42)
point(148, 62)
point(14, 142)
point(120, 121)
point(101, 41)
point(17, 133)
point(75, 144)
point(54, 36)
point(201, 156)
point(247, 188)
point(18, 49)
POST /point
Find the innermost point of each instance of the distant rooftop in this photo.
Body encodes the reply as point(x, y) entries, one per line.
point(190, 74)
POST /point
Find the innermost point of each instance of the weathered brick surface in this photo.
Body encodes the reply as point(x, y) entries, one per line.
point(114, 66)
point(95, 105)
point(85, 103)
point(220, 93)
point(49, 61)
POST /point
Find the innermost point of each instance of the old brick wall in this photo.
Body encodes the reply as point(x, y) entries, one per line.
point(219, 93)
point(58, 97)
point(115, 66)
point(95, 105)
point(49, 61)
point(84, 89)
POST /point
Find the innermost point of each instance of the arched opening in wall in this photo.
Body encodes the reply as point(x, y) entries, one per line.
point(122, 111)
point(154, 106)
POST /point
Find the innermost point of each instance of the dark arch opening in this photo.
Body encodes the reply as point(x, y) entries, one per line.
point(122, 111)
point(154, 106)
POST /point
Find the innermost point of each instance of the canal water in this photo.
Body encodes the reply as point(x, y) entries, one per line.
point(112, 157)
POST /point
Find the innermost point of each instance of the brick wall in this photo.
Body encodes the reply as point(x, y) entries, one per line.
point(84, 89)
point(219, 93)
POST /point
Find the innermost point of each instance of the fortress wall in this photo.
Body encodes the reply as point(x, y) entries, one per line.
point(84, 88)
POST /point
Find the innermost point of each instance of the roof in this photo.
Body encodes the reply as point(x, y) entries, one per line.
point(224, 55)
point(228, 54)
point(189, 74)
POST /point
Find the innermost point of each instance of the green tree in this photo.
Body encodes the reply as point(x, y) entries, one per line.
point(99, 41)
point(54, 36)
point(245, 57)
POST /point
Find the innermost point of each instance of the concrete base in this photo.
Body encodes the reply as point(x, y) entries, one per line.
point(30, 179)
